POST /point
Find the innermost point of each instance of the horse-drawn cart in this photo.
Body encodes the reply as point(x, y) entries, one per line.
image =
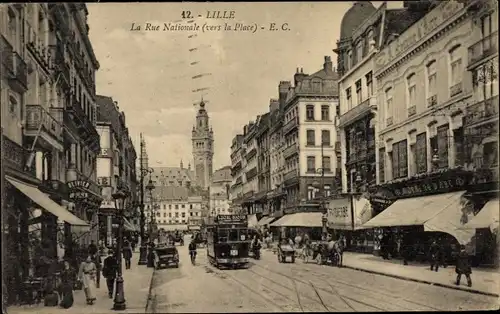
point(285, 251)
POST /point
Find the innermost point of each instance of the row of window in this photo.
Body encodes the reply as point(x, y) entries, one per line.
point(415, 161)
point(311, 138)
point(164, 221)
point(314, 192)
point(359, 90)
point(170, 206)
point(183, 215)
point(361, 48)
point(311, 164)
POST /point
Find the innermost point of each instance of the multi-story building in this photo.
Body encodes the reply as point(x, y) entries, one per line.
point(173, 207)
point(219, 192)
point(237, 174)
point(438, 138)
point(249, 154)
point(203, 148)
point(196, 212)
point(48, 125)
point(115, 166)
point(263, 164)
point(276, 146)
point(309, 134)
point(356, 49)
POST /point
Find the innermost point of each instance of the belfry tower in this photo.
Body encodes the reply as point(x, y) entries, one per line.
point(203, 148)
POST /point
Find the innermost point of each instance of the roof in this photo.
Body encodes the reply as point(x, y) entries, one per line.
point(107, 112)
point(164, 193)
point(398, 21)
point(222, 175)
point(167, 174)
point(359, 11)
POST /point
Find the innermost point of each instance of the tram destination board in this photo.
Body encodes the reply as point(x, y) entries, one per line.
point(231, 219)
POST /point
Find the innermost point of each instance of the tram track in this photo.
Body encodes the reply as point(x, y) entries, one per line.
point(344, 296)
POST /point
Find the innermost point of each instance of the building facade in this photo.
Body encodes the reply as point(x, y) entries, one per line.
point(309, 133)
point(49, 140)
point(203, 148)
point(116, 167)
point(236, 190)
point(435, 90)
point(219, 192)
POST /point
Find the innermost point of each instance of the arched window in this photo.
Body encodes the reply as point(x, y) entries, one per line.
point(456, 71)
point(431, 82)
point(411, 85)
point(388, 106)
point(349, 60)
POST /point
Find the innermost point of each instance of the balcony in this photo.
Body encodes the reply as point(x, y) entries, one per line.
point(358, 111)
point(290, 151)
point(291, 175)
point(456, 89)
point(82, 125)
point(39, 122)
point(59, 63)
point(389, 121)
point(14, 155)
point(251, 154)
point(290, 125)
point(36, 45)
point(337, 147)
point(62, 23)
point(481, 111)
point(412, 110)
point(15, 67)
point(432, 101)
point(484, 48)
point(251, 173)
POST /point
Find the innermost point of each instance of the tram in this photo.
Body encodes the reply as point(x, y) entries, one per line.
point(228, 243)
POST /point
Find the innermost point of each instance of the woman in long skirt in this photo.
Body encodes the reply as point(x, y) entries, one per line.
point(66, 288)
point(87, 275)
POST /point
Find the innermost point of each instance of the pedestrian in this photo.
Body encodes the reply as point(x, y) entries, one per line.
point(127, 254)
point(384, 250)
point(87, 275)
point(98, 263)
point(109, 271)
point(463, 266)
point(66, 286)
point(92, 249)
point(435, 255)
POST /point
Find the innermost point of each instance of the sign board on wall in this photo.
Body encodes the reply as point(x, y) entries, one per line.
point(106, 152)
point(104, 181)
point(339, 212)
point(429, 23)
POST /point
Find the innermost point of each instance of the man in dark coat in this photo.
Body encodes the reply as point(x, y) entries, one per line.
point(463, 266)
point(127, 254)
point(435, 255)
point(109, 271)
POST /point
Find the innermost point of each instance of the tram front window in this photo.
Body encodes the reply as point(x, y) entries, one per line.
point(233, 235)
point(223, 235)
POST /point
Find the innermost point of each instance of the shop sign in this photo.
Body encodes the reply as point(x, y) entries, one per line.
point(339, 213)
point(433, 187)
point(429, 23)
point(78, 195)
point(104, 181)
point(106, 152)
point(230, 219)
point(79, 184)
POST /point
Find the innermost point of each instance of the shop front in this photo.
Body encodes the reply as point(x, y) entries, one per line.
point(346, 215)
point(421, 209)
point(297, 224)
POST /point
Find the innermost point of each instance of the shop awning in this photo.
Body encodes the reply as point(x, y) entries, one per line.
point(194, 227)
point(414, 211)
point(46, 203)
point(252, 221)
point(265, 221)
point(310, 220)
point(128, 225)
point(173, 227)
point(448, 220)
point(488, 217)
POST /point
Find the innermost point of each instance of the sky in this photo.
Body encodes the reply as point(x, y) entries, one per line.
point(149, 73)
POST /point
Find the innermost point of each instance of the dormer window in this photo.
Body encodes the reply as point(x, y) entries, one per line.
point(349, 60)
point(359, 51)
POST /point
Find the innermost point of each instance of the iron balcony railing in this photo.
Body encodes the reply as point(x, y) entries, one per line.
point(484, 48)
point(456, 89)
point(39, 118)
point(481, 111)
point(432, 101)
point(291, 175)
point(412, 110)
point(290, 125)
point(290, 150)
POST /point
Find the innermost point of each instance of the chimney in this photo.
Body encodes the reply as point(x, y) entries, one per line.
point(283, 91)
point(327, 66)
point(274, 104)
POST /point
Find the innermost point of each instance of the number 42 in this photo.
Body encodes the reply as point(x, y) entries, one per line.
point(186, 14)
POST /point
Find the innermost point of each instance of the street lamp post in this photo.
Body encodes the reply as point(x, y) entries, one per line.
point(150, 187)
point(321, 186)
point(120, 198)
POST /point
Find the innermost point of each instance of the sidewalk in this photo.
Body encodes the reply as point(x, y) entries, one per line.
point(484, 281)
point(137, 281)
